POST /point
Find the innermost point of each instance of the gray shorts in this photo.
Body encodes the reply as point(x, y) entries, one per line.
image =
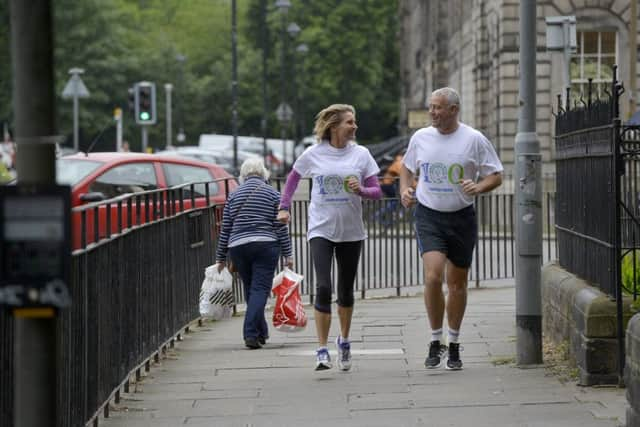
point(452, 233)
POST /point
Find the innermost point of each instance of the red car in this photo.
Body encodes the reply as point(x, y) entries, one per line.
point(100, 176)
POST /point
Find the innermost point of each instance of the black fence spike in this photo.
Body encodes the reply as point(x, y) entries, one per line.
point(582, 99)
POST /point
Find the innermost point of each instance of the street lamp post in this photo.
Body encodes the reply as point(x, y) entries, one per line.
point(301, 50)
point(293, 29)
point(234, 85)
point(168, 87)
point(75, 89)
point(283, 6)
point(180, 137)
point(265, 102)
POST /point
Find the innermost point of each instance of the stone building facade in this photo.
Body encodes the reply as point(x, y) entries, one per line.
point(472, 46)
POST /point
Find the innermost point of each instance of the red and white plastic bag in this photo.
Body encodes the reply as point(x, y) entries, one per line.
point(288, 313)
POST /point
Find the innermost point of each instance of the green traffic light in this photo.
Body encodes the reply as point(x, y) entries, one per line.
point(145, 115)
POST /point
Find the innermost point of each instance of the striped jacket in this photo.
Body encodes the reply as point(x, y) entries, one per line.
point(251, 212)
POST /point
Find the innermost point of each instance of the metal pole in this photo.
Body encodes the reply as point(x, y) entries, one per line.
point(529, 200)
point(145, 138)
point(566, 30)
point(633, 55)
point(168, 87)
point(76, 144)
point(618, 171)
point(33, 104)
point(181, 137)
point(283, 96)
point(234, 84)
point(265, 101)
point(117, 115)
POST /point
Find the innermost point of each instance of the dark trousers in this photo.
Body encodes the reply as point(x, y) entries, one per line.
point(256, 263)
point(347, 256)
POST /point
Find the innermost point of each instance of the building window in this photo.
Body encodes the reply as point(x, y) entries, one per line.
point(595, 58)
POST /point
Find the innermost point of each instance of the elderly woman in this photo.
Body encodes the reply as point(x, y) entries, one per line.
point(343, 173)
point(254, 240)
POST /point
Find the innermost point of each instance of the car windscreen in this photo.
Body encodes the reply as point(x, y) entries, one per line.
point(71, 171)
point(177, 174)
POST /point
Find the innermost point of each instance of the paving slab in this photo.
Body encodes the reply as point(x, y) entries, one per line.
point(210, 379)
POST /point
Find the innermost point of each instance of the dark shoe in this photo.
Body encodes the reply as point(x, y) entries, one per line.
point(436, 355)
point(453, 361)
point(263, 340)
point(252, 343)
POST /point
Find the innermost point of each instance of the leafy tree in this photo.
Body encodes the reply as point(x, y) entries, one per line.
point(352, 58)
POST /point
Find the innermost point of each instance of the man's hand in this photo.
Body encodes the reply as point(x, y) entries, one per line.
point(408, 197)
point(469, 187)
point(283, 216)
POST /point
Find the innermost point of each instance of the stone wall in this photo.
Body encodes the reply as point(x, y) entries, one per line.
point(575, 312)
point(632, 372)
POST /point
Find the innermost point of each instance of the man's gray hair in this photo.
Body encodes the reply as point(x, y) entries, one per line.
point(449, 93)
point(253, 166)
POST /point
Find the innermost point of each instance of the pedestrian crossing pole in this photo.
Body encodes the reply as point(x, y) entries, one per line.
point(529, 200)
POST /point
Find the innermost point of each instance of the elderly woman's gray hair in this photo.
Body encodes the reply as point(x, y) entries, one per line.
point(253, 166)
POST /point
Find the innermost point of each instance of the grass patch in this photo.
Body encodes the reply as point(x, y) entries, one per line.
point(558, 361)
point(506, 360)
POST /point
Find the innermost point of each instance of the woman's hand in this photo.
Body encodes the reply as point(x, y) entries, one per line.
point(288, 261)
point(283, 216)
point(354, 184)
point(220, 265)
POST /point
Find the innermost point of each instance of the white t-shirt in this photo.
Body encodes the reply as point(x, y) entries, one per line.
point(443, 160)
point(335, 212)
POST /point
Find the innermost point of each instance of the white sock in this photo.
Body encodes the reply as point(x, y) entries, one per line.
point(453, 336)
point(322, 348)
point(436, 335)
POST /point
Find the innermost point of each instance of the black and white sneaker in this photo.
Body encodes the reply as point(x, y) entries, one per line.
point(436, 355)
point(453, 359)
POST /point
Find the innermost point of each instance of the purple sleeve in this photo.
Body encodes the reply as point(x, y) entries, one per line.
point(289, 188)
point(371, 188)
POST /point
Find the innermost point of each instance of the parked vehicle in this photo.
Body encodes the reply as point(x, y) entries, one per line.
point(223, 158)
point(278, 148)
point(99, 176)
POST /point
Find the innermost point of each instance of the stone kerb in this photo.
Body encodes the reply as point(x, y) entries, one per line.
point(583, 316)
point(632, 371)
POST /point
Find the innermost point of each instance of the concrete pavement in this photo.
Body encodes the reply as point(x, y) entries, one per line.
point(210, 379)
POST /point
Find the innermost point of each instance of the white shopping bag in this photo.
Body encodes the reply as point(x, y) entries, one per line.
point(216, 294)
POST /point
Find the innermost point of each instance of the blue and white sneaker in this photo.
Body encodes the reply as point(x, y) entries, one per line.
point(344, 354)
point(323, 360)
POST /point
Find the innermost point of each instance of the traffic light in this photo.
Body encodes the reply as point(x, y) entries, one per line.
point(145, 103)
point(131, 99)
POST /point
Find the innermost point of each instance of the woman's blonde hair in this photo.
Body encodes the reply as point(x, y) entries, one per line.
point(329, 117)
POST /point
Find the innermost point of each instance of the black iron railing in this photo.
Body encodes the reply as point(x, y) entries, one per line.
point(124, 317)
point(135, 282)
